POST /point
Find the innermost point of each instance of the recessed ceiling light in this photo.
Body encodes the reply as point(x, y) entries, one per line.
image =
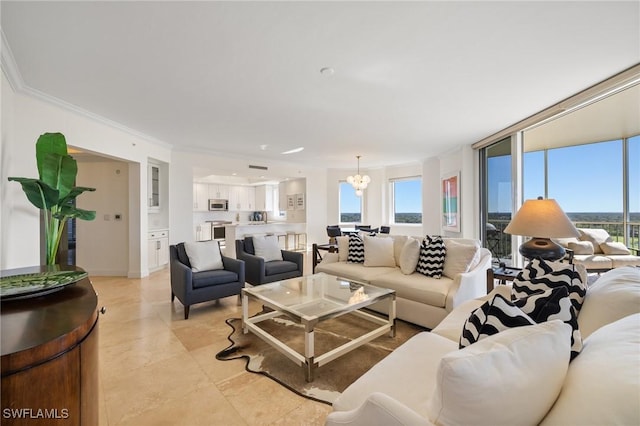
point(294, 150)
point(327, 71)
point(263, 147)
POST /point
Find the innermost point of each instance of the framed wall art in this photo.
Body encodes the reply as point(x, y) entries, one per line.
point(291, 202)
point(451, 202)
point(299, 201)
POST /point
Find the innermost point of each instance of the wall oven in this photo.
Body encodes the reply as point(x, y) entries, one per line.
point(218, 205)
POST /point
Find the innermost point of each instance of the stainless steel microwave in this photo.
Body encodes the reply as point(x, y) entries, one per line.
point(219, 205)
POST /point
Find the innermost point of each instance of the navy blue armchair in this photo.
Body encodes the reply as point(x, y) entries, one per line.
point(260, 272)
point(197, 287)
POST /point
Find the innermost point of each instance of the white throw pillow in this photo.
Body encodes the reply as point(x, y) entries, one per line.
point(267, 247)
point(614, 295)
point(459, 258)
point(614, 247)
point(409, 256)
point(596, 237)
point(378, 251)
point(398, 244)
point(580, 247)
point(343, 248)
point(510, 378)
point(602, 384)
point(204, 255)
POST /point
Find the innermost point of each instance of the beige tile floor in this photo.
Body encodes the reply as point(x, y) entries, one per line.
point(158, 369)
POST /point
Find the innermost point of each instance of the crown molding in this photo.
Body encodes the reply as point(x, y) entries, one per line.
point(11, 70)
point(9, 66)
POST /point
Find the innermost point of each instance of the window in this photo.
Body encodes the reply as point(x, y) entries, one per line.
point(406, 197)
point(350, 204)
point(496, 198)
point(633, 167)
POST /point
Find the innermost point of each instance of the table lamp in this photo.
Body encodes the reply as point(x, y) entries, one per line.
point(542, 220)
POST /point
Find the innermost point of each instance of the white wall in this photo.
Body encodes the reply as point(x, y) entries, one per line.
point(464, 160)
point(24, 119)
point(111, 197)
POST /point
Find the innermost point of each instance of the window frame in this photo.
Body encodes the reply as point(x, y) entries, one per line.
point(392, 199)
point(362, 204)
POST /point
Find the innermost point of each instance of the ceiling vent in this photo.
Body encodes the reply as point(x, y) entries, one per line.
point(251, 166)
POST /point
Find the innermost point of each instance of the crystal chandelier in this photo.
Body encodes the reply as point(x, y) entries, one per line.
point(358, 181)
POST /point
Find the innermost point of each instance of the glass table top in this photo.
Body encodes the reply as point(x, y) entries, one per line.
point(317, 296)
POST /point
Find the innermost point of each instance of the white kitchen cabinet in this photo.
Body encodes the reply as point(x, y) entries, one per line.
point(153, 187)
point(242, 198)
point(251, 197)
point(261, 192)
point(264, 198)
point(200, 197)
point(158, 250)
point(218, 191)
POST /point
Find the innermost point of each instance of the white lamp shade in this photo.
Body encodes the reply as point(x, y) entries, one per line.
point(541, 219)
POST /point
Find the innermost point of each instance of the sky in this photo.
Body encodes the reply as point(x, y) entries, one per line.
point(584, 178)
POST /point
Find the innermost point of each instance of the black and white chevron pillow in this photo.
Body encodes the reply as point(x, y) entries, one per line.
point(550, 305)
point(356, 249)
point(432, 253)
point(492, 317)
point(540, 276)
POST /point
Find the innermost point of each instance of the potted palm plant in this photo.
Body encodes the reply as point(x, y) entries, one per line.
point(54, 191)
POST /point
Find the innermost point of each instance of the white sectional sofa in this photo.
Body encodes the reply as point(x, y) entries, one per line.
point(420, 299)
point(518, 376)
point(596, 251)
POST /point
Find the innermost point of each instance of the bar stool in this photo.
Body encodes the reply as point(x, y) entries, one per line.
point(299, 240)
point(286, 240)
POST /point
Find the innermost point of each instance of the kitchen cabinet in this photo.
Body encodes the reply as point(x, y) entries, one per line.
point(242, 198)
point(264, 198)
point(153, 187)
point(200, 197)
point(219, 191)
point(158, 250)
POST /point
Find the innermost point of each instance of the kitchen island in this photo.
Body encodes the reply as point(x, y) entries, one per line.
point(237, 231)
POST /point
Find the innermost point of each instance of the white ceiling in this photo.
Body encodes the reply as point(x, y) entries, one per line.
point(412, 79)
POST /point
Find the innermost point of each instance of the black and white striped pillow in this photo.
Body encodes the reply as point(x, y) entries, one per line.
point(492, 317)
point(550, 305)
point(432, 253)
point(539, 276)
point(356, 249)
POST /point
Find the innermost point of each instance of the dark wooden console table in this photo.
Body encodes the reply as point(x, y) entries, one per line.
point(50, 356)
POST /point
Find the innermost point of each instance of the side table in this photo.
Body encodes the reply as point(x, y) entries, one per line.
point(501, 273)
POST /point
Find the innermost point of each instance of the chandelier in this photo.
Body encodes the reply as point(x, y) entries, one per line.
point(359, 182)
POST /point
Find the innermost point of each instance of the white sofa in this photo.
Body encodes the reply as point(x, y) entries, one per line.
point(417, 383)
point(596, 251)
point(420, 299)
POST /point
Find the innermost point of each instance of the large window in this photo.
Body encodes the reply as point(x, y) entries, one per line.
point(586, 180)
point(406, 197)
point(350, 204)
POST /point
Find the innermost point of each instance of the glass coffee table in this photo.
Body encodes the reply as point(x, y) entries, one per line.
point(311, 299)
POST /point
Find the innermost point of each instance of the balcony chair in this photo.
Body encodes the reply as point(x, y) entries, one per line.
point(333, 231)
point(195, 286)
point(272, 267)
